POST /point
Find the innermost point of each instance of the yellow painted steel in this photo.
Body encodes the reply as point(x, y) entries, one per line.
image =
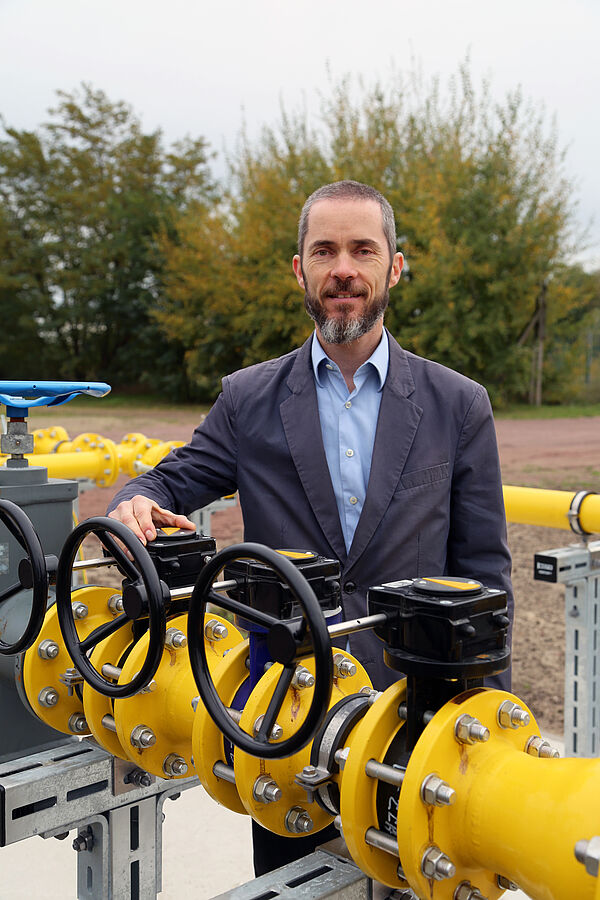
point(370, 739)
point(514, 814)
point(154, 455)
point(166, 704)
point(208, 742)
point(533, 506)
point(97, 460)
point(283, 771)
point(45, 440)
point(96, 705)
point(132, 447)
point(39, 673)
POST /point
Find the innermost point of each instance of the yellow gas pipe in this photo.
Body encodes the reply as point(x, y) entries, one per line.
point(100, 463)
point(553, 509)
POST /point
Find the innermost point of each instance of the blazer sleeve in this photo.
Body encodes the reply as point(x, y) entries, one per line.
point(190, 477)
point(477, 544)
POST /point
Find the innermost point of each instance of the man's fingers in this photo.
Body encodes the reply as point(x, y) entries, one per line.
point(142, 516)
point(124, 513)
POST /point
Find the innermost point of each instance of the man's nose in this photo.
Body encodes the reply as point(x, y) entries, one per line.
point(344, 266)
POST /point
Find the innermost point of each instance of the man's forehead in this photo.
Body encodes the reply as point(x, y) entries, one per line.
point(348, 214)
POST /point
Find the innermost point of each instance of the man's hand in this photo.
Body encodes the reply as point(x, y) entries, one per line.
point(143, 515)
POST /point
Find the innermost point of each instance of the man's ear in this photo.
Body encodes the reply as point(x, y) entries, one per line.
point(396, 270)
point(298, 271)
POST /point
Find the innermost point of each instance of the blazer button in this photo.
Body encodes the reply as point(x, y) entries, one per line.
point(349, 587)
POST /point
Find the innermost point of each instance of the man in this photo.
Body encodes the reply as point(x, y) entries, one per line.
point(349, 445)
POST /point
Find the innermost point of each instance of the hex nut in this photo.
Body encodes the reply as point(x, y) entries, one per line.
point(266, 789)
point(298, 821)
point(466, 891)
point(142, 737)
point(343, 667)
point(80, 610)
point(588, 853)
point(511, 715)
point(77, 724)
point(276, 731)
point(48, 696)
point(174, 765)
point(537, 746)
point(506, 883)
point(436, 865)
point(48, 649)
point(175, 639)
point(215, 630)
point(468, 730)
point(436, 792)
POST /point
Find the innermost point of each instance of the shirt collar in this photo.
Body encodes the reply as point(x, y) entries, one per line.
point(379, 359)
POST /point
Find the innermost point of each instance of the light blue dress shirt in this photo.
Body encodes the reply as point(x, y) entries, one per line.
point(348, 425)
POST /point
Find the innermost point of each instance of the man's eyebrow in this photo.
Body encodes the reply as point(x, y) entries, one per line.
point(356, 242)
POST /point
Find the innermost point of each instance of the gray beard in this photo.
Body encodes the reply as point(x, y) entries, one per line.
point(343, 329)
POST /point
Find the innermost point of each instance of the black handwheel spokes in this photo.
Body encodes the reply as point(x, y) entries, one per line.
point(141, 571)
point(20, 527)
point(284, 640)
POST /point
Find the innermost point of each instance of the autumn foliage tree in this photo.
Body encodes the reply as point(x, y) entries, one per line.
point(484, 216)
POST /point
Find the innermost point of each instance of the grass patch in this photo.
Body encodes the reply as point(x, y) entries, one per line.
point(566, 411)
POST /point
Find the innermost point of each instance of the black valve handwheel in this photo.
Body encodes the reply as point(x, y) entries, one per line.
point(144, 595)
point(19, 525)
point(283, 640)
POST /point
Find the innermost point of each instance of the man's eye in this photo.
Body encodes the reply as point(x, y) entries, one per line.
point(365, 251)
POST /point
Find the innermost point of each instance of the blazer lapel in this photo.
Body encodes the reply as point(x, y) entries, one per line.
point(300, 418)
point(397, 425)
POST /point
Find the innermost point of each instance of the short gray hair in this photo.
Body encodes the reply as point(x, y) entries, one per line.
point(349, 190)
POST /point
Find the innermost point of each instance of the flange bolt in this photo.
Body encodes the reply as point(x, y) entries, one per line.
point(142, 737)
point(466, 891)
point(469, 730)
point(80, 610)
point(115, 604)
point(215, 630)
point(48, 696)
point(303, 678)
point(506, 884)
point(266, 789)
point(174, 765)
point(342, 666)
point(436, 792)
point(436, 864)
point(511, 715)
point(175, 639)
point(276, 730)
point(77, 724)
point(298, 821)
point(588, 853)
point(537, 746)
point(48, 649)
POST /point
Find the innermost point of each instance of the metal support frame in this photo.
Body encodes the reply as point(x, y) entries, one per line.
point(201, 517)
point(118, 823)
point(578, 568)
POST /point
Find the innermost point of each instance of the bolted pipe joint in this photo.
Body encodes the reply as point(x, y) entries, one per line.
point(537, 746)
point(142, 737)
point(115, 604)
point(175, 639)
point(48, 649)
point(466, 891)
point(436, 865)
point(77, 724)
point(342, 666)
point(435, 792)
point(174, 765)
point(48, 696)
point(511, 715)
point(298, 821)
point(303, 678)
point(80, 610)
point(266, 790)
point(276, 730)
point(215, 630)
point(468, 730)
point(588, 853)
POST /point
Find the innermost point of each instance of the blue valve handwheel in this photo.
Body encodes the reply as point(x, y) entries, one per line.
point(19, 396)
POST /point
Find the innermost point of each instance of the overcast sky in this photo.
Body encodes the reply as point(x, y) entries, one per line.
point(200, 68)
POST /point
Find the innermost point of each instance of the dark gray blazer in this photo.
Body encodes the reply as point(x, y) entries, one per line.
point(434, 500)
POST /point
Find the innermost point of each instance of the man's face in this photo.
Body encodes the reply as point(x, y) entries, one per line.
point(346, 271)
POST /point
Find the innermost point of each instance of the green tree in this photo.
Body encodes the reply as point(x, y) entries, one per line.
point(483, 208)
point(88, 194)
